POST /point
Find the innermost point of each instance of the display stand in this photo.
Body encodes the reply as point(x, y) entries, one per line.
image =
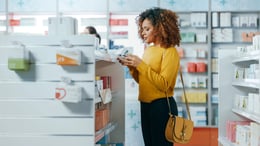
point(229, 88)
point(29, 112)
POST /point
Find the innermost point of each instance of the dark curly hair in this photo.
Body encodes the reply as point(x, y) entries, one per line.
point(165, 23)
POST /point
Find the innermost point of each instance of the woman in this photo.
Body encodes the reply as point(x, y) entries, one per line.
point(92, 30)
point(156, 72)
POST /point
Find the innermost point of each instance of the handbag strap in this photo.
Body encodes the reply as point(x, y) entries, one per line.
point(185, 97)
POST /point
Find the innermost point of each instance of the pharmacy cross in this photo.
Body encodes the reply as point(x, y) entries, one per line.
point(121, 2)
point(134, 126)
point(71, 2)
point(171, 2)
point(223, 2)
point(21, 3)
point(132, 114)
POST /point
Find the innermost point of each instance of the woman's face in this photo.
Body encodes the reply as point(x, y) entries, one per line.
point(147, 33)
point(86, 31)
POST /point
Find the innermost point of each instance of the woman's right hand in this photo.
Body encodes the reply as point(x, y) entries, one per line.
point(122, 61)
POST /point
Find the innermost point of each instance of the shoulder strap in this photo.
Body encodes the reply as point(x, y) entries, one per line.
point(185, 97)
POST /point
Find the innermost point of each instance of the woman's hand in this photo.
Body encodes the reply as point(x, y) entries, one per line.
point(130, 60)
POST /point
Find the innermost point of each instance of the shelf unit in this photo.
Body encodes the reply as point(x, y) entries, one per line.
point(33, 116)
point(228, 36)
point(196, 50)
point(231, 87)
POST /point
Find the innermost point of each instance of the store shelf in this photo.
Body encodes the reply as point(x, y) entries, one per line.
point(247, 115)
point(253, 56)
point(238, 92)
point(250, 83)
point(105, 131)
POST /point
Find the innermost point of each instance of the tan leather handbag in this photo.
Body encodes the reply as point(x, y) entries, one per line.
point(179, 129)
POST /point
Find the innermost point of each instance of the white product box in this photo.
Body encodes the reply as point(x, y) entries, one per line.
point(215, 19)
point(251, 102)
point(225, 19)
point(68, 93)
point(194, 83)
point(256, 103)
point(198, 19)
point(18, 52)
point(252, 21)
point(62, 26)
point(198, 111)
point(201, 38)
point(192, 52)
point(227, 35)
point(244, 21)
point(215, 81)
point(239, 73)
point(201, 53)
point(235, 21)
point(202, 82)
point(199, 121)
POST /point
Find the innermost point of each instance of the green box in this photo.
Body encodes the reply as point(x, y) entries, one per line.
point(18, 64)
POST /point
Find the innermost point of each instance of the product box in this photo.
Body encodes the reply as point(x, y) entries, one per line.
point(201, 38)
point(235, 21)
point(195, 97)
point(68, 57)
point(192, 67)
point(62, 26)
point(102, 118)
point(18, 59)
point(231, 129)
point(68, 93)
point(201, 67)
point(225, 19)
point(107, 82)
point(188, 37)
point(215, 19)
point(18, 64)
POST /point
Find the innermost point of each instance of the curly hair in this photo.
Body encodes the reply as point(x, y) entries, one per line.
point(165, 23)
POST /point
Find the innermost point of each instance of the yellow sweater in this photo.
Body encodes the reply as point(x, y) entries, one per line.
point(157, 73)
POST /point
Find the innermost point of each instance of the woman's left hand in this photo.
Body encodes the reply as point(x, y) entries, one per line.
point(130, 60)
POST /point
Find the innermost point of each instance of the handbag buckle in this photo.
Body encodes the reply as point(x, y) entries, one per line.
point(183, 134)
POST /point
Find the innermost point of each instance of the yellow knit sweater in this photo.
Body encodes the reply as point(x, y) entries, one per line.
point(157, 73)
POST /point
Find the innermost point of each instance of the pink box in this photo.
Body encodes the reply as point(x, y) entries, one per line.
point(231, 129)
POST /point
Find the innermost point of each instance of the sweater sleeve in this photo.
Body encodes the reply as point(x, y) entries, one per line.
point(168, 73)
point(134, 73)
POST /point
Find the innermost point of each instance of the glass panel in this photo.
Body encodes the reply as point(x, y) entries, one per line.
point(128, 39)
point(237, 5)
point(99, 21)
point(2, 16)
point(2, 23)
point(83, 5)
point(131, 5)
point(185, 5)
point(32, 5)
point(29, 24)
point(2, 6)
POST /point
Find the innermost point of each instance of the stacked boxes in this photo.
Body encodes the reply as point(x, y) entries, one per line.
point(102, 118)
point(198, 115)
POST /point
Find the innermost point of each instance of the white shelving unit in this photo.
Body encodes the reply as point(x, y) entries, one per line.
point(29, 112)
point(229, 88)
point(196, 42)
